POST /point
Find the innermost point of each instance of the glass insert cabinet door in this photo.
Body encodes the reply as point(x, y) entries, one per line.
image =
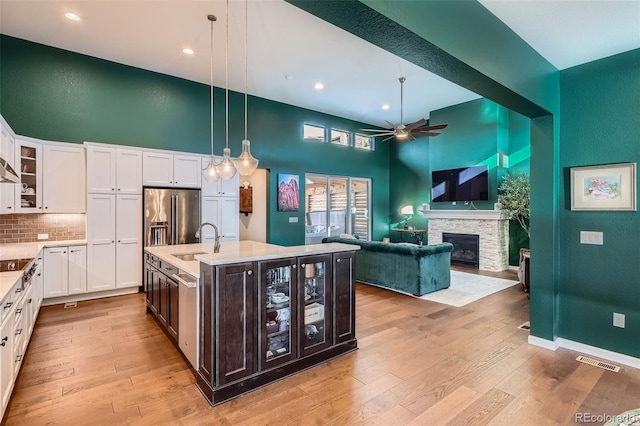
point(315, 300)
point(278, 305)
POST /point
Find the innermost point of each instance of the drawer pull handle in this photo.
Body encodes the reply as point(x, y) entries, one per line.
point(8, 305)
point(18, 311)
point(18, 290)
point(18, 332)
point(4, 340)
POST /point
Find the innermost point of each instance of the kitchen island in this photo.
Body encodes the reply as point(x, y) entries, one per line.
point(263, 311)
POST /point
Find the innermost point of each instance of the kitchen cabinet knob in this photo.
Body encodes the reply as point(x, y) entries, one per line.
point(293, 267)
point(304, 265)
point(338, 260)
point(118, 189)
point(112, 241)
point(29, 300)
point(64, 252)
point(38, 274)
point(46, 208)
point(40, 207)
point(8, 207)
point(118, 240)
point(113, 189)
point(249, 272)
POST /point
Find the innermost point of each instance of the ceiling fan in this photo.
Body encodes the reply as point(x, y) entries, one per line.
point(408, 132)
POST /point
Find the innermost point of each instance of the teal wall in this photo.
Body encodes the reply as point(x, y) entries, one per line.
point(478, 132)
point(54, 94)
point(600, 125)
point(482, 54)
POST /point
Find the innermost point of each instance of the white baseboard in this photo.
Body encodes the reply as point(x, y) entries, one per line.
point(89, 296)
point(585, 349)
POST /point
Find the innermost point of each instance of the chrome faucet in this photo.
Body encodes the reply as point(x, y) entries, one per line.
point(216, 244)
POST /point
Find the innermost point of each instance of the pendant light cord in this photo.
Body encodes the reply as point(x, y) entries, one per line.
point(226, 81)
point(246, 61)
point(211, 19)
point(401, 100)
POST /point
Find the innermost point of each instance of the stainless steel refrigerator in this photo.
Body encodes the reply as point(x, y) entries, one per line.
point(171, 216)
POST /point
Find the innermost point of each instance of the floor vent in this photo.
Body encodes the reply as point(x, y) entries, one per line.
point(70, 305)
point(599, 364)
point(525, 326)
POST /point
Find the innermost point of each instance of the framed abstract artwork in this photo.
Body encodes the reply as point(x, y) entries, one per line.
point(605, 187)
point(288, 193)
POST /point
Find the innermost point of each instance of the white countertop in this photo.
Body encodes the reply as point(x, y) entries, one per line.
point(238, 251)
point(25, 251)
point(30, 250)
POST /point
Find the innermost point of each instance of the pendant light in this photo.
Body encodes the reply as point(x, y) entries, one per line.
point(210, 173)
point(226, 169)
point(246, 163)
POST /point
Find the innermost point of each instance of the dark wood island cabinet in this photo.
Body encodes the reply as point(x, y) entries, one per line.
point(266, 319)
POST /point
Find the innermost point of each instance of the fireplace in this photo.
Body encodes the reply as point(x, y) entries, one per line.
point(466, 249)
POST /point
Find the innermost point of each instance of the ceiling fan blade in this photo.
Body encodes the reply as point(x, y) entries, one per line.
point(390, 137)
point(393, 126)
point(436, 127)
point(415, 125)
point(375, 135)
point(424, 133)
point(373, 130)
point(410, 137)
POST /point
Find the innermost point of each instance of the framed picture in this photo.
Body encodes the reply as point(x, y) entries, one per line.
point(606, 187)
point(288, 193)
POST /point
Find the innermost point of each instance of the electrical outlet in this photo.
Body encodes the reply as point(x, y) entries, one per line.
point(618, 320)
point(43, 236)
point(293, 219)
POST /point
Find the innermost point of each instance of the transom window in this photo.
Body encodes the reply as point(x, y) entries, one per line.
point(363, 142)
point(339, 137)
point(312, 132)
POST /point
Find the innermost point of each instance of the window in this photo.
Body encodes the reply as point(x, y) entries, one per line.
point(336, 205)
point(339, 137)
point(313, 133)
point(363, 142)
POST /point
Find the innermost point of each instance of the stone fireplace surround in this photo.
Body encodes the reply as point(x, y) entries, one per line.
point(492, 228)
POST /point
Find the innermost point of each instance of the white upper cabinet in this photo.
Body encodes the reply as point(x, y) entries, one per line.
point(113, 170)
point(129, 171)
point(221, 187)
point(8, 153)
point(222, 212)
point(28, 193)
point(101, 170)
point(63, 179)
point(187, 171)
point(165, 169)
point(157, 169)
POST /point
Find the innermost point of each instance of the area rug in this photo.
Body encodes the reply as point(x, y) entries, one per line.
point(466, 288)
point(629, 418)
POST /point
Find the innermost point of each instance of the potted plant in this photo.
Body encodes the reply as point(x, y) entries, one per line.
point(514, 201)
point(514, 198)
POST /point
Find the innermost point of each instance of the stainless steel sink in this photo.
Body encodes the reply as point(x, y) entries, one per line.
point(188, 256)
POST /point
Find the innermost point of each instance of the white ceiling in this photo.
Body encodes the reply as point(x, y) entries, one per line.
point(285, 41)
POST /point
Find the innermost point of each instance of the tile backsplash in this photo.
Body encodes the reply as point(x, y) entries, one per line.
point(24, 228)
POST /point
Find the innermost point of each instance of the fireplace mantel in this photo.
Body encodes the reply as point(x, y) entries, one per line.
point(464, 214)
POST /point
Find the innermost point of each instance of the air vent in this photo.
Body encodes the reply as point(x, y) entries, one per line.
point(525, 326)
point(70, 305)
point(599, 364)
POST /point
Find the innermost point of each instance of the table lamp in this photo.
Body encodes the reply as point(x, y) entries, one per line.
point(406, 211)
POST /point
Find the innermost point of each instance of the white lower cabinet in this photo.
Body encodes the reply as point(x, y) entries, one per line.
point(129, 242)
point(65, 271)
point(222, 212)
point(6, 360)
point(20, 309)
point(114, 241)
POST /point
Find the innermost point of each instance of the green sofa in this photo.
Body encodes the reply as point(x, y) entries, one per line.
point(405, 267)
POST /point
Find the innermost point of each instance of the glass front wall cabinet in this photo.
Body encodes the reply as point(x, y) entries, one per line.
point(315, 300)
point(278, 296)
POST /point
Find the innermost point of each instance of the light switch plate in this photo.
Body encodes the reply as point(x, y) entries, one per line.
point(43, 236)
point(293, 219)
point(618, 320)
point(591, 237)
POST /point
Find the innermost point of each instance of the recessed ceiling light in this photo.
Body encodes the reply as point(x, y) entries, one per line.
point(72, 16)
point(187, 51)
point(385, 107)
point(319, 86)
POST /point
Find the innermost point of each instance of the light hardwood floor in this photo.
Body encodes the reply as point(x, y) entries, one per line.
point(421, 363)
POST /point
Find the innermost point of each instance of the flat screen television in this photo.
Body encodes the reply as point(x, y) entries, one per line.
point(463, 184)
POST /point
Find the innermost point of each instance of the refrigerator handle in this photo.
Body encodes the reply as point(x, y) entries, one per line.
point(174, 219)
